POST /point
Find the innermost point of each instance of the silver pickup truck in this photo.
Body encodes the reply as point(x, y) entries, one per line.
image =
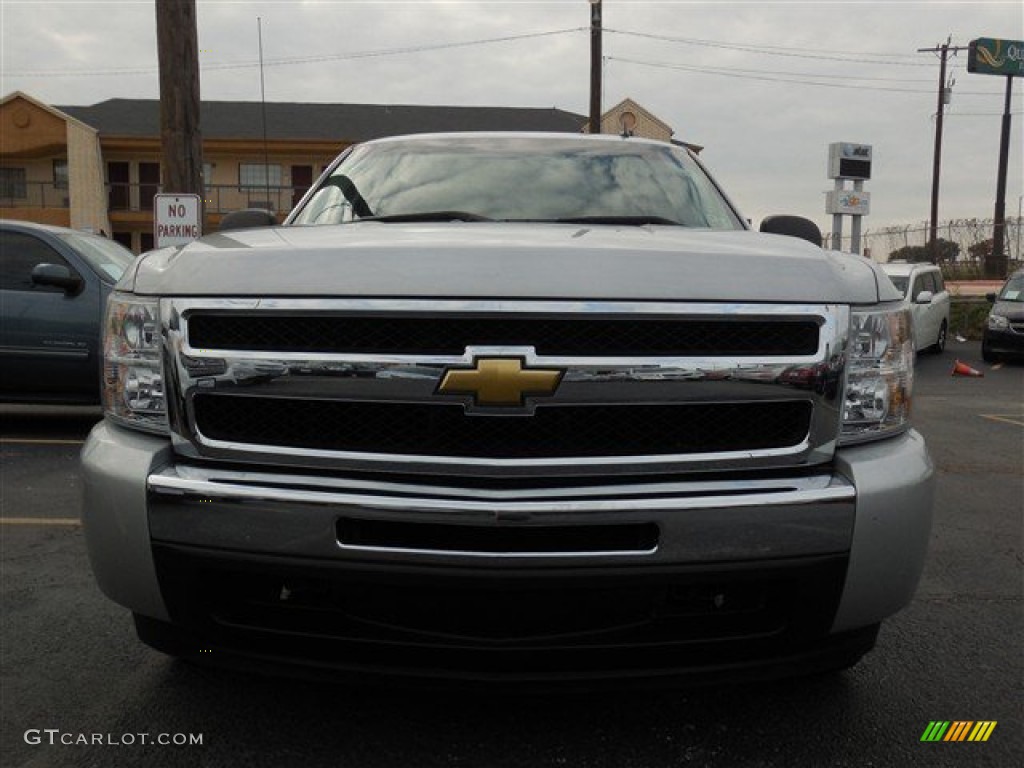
point(509, 407)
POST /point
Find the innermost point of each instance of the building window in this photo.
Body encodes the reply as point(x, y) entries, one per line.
point(253, 176)
point(60, 174)
point(118, 184)
point(149, 184)
point(12, 183)
point(207, 174)
point(124, 238)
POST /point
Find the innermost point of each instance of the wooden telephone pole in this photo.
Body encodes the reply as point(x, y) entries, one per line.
point(178, 54)
point(595, 66)
point(943, 51)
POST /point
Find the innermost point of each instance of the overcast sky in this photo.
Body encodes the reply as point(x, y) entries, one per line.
point(763, 86)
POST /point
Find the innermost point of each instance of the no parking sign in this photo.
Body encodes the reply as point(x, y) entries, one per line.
point(176, 219)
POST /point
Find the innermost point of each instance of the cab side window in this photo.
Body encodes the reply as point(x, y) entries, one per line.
point(916, 286)
point(923, 282)
point(940, 286)
point(20, 253)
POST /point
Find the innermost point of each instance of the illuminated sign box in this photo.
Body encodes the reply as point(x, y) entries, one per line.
point(849, 161)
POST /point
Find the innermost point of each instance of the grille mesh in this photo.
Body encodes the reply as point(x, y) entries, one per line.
point(592, 336)
point(553, 431)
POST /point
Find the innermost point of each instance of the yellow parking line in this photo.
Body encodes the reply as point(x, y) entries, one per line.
point(29, 441)
point(1004, 419)
point(68, 521)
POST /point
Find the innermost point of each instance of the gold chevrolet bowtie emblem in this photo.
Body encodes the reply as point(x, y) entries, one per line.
point(500, 381)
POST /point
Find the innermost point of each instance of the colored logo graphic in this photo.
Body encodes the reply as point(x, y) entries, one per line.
point(958, 730)
point(992, 58)
point(500, 381)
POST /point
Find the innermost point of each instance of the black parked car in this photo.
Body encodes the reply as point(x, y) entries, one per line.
point(53, 289)
point(1004, 331)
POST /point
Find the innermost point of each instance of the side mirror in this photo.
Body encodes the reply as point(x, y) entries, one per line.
point(58, 276)
point(924, 297)
point(991, 297)
point(248, 218)
point(793, 226)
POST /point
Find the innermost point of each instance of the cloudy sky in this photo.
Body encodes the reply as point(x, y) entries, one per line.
point(763, 86)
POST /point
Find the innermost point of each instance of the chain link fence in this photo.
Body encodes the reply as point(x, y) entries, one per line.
point(963, 246)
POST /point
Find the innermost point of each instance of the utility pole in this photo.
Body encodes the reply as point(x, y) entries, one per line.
point(595, 66)
point(178, 56)
point(933, 224)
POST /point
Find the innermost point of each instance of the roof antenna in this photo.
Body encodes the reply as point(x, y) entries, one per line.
point(263, 109)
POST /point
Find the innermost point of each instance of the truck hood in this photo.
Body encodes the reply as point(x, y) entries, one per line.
point(509, 260)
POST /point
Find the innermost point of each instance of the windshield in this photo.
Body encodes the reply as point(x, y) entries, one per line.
point(107, 258)
point(900, 282)
point(514, 178)
point(1013, 290)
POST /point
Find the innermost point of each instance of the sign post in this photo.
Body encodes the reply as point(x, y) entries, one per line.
point(177, 219)
point(989, 56)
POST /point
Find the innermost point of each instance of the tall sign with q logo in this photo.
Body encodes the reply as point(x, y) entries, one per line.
point(991, 56)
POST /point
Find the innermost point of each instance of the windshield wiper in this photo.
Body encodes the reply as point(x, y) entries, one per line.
point(629, 221)
point(428, 216)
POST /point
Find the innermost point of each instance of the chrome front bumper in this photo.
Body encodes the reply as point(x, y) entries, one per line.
point(874, 503)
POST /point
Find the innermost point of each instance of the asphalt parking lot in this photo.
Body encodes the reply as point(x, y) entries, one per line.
point(72, 668)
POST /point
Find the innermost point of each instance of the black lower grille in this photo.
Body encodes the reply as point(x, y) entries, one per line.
point(552, 432)
point(590, 336)
point(547, 621)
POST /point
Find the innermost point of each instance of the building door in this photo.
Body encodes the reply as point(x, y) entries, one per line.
point(118, 181)
point(302, 180)
point(149, 184)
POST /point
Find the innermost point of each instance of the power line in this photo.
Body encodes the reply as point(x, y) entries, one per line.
point(821, 75)
point(799, 53)
point(796, 79)
point(979, 114)
point(120, 71)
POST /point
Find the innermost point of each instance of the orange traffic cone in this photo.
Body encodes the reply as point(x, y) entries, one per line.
point(963, 369)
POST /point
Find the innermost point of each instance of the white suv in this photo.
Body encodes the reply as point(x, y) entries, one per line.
point(925, 293)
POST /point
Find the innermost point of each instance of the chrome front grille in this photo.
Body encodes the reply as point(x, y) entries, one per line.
point(623, 336)
point(550, 432)
point(354, 384)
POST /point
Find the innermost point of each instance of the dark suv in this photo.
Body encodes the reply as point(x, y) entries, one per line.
point(1004, 331)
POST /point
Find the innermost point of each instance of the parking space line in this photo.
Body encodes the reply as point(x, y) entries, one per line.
point(1004, 419)
point(67, 521)
point(33, 441)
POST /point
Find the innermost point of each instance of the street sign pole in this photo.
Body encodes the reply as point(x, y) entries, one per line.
point(855, 219)
point(837, 222)
point(999, 260)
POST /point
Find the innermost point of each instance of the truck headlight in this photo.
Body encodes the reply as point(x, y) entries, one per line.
point(879, 375)
point(133, 381)
point(998, 323)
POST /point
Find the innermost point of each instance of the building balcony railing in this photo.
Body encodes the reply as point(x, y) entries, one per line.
point(219, 198)
point(34, 194)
